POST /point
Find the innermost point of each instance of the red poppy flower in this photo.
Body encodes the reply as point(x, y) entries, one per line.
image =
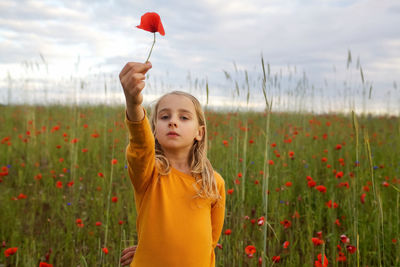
point(362, 198)
point(10, 251)
point(321, 188)
point(151, 22)
point(250, 250)
point(316, 241)
point(45, 264)
point(230, 191)
point(105, 250)
point(351, 249)
point(286, 244)
point(276, 259)
point(228, 232)
point(320, 262)
point(311, 183)
point(341, 257)
point(261, 221)
point(114, 199)
point(286, 223)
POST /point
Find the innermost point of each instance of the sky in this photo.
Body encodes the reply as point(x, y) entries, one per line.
point(49, 47)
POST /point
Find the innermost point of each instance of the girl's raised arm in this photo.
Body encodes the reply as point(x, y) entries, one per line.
point(140, 152)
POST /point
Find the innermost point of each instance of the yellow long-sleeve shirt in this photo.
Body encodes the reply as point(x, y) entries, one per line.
point(174, 229)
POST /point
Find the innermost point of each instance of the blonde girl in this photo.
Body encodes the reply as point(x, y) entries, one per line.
point(179, 198)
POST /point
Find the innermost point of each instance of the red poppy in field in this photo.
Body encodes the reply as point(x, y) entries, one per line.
point(105, 250)
point(10, 251)
point(261, 221)
point(324, 159)
point(339, 174)
point(250, 250)
point(276, 259)
point(114, 199)
point(288, 184)
point(45, 264)
point(85, 150)
point(237, 181)
point(98, 223)
point(338, 146)
point(228, 232)
point(286, 223)
point(100, 174)
point(362, 198)
point(286, 244)
point(225, 142)
point(351, 249)
point(321, 262)
point(344, 239)
point(22, 196)
point(59, 184)
point(114, 161)
point(230, 191)
point(271, 162)
point(331, 204)
point(291, 154)
point(341, 257)
point(321, 188)
point(316, 241)
point(79, 223)
point(239, 175)
point(311, 183)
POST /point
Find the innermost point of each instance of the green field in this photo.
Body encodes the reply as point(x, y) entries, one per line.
point(65, 194)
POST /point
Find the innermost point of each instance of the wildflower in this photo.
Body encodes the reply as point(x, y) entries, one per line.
point(21, 196)
point(271, 162)
point(351, 249)
point(219, 246)
point(79, 223)
point(341, 257)
point(286, 244)
point(338, 146)
point(230, 191)
point(114, 199)
point(288, 184)
point(286, 223)
point(105, 250)
point(291, 154)
point(98, 223)
point(240, 175)
point(45, 264)
point(385, 184)
point(276, 259)
point(344, 239)
point(321, 262)
point(321, 188)
point(316, 241)
point(261, 221)
point(59, 184)
point(339, 174)
point(10, 251)
point(100, 174)
point(311, 184)
point(250, 250)
point(120, 222)
point(329, 204)
point(228, 232)
point(114, 161)
point(151, 22)
point(362, 198)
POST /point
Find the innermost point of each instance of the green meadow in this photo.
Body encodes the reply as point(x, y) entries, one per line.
point(302, 188)
point(66, 195)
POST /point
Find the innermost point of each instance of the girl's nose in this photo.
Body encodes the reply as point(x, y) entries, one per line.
point(172, 123)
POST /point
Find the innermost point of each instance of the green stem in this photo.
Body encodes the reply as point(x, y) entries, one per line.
point(154, 41)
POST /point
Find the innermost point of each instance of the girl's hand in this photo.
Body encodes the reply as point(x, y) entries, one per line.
point(127, 255)
point(132, 78)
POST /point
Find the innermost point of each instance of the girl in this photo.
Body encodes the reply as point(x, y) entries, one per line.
point(180, 199)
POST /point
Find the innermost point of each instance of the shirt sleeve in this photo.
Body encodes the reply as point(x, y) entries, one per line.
point(140, 153)
point(218, 212)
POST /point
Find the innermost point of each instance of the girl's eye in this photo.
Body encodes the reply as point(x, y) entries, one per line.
point(164, 117)
point(184, 118)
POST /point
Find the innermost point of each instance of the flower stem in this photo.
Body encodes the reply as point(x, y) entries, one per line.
point(154, 41)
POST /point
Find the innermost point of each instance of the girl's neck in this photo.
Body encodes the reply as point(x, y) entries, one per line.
point(179, 162)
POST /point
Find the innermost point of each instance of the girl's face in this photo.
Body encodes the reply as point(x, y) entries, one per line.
point(176, 114)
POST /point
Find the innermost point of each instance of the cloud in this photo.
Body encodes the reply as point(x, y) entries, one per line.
point(205, 37)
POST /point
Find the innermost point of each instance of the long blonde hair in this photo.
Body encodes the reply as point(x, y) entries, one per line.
point(200, 167)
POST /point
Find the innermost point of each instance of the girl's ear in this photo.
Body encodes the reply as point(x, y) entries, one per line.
point(200, 133)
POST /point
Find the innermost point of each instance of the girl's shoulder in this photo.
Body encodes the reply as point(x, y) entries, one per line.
point(218, 178)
